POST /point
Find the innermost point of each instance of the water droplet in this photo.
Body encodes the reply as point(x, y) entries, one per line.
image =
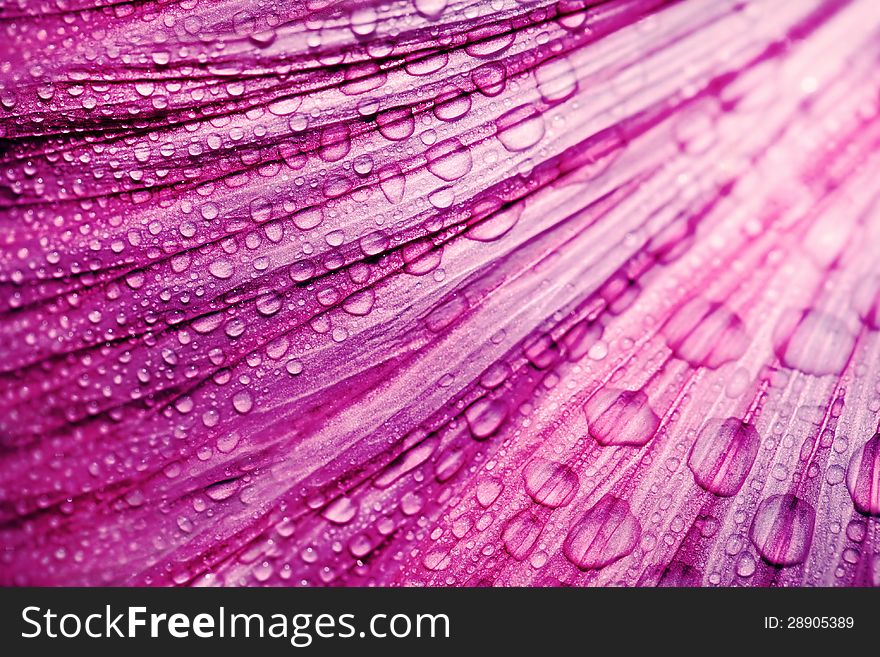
point(307, 219)
point(550, 483)
point(430, 8)
point(392, 182)
point(452, 104)
point(396, 124)
point(723, 455)
point(782, 529)
point(520, 534)
point(556, 80)
point(359, 303)
point(242, 401)
point(706, 334)
point(341, 510)
point(604, 534)
point(485, 416)
point(621, 417)
point(449, 160)
point(222, 490)
point(490, 79)
point(221, 268)
point(863, 477)
point(363, 21)
point(520, 128)
point(488, 491)
point(813, 342)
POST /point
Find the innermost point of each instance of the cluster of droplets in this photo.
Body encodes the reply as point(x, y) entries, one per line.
point(512, 292)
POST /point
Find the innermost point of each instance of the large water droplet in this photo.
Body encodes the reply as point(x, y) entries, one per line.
point(430, 8)
point(621, 417)
point(520, 128)
point(723, 454)
point(520, 534)
point(782, 529)
point(341, 510)
point(449, 160)
point(550, 483)
point(604, 533)
point(556, 80)
point(863, 477)
point(706, 334)
point(485, 416)
point(814, 342)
